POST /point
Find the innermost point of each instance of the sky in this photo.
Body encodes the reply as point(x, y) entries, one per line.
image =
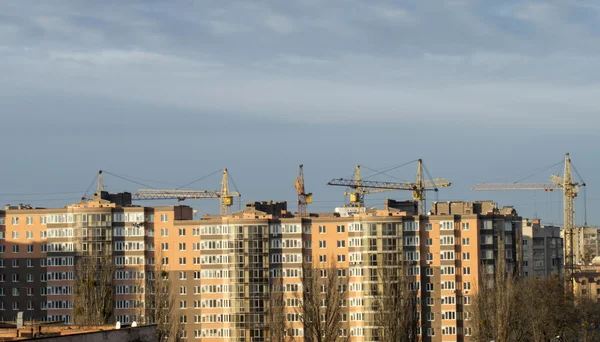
point(165, 93)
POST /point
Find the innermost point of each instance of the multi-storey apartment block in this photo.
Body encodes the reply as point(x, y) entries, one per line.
point(543, 250)
point(227, 272)
point(586, 244)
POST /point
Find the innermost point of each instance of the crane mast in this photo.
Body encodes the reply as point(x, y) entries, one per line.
point(303, 197)
point(570, 190)
point(226, 197)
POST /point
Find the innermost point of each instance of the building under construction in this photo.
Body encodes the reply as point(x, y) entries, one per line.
point(242, 275)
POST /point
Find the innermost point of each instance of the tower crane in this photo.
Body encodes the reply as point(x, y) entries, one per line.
point(570, 190)
point(224, 194)
point(363, 187)
point(303, 197)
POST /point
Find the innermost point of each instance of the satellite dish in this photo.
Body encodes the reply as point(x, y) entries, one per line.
point(134, 324)
point(118, 325)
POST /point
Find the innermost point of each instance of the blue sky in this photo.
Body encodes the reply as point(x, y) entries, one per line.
point(172, 91)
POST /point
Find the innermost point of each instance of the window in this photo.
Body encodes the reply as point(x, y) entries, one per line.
point(182, 261)
point(448, 300)
point(165, 261)
point(430, 332)
point(164, 232)
point(15, 234)
point(15, 263)
point(322, 258)
point(429, 287)
point(447, 240)
point(182, 275)
point(164, 246)
point(322, 244)
point(431, 316)
point(445, 270)
point(467, 300)
point(449, 330)
point(29, 220)
point(465, 241)
point(182, 246)
point(29, 234)
point(181, 231)
point(15, 248)
point(467, 285)
point(341, 258)
point(447, 255)
point(15, 220)
point(429, 256)
point(465, 226)
point(428, 227)
point(29, 248)
point(466, 256)
point(429, 242)
point(429, 272)
point(430, 301)
point(341, 243)
point(341, 229)
point(446, 225)
point(466, 270)
point(322, 229)
point(164, 217)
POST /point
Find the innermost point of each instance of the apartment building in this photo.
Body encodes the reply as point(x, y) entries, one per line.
point(586, 281)
point(543, 249)
point(42, 252)
point(586, 244)
point(243, 260)
point(226, 271)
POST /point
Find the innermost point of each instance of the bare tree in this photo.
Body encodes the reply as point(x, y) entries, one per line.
point(549, 311)
point(395, 306)
point(323, 294)
point(276, 311)
point(533, 309)
point(94, 288)
point(589, 315)
point(494, 305)
point(162, 304)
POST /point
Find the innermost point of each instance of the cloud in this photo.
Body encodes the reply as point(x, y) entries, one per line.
point(279, 23)
point(317, 62)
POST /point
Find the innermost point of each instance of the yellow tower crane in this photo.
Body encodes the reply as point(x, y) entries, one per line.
point(570, 190)
point(224, 194)
point(303, 197)
point(362, 187)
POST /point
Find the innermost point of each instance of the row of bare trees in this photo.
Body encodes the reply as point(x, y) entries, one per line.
point(321, 300)
point(94, 298)
point(507, 308)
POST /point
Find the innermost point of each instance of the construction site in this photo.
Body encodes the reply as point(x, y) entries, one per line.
point(238, 275)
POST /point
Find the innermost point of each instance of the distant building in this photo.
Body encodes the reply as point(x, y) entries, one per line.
point(543, 249)
point(586, 281)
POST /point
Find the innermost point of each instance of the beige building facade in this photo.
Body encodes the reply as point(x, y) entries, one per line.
point(225, 271)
